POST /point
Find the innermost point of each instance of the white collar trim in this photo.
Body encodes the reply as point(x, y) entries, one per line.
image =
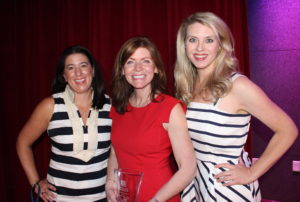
point(76, 122)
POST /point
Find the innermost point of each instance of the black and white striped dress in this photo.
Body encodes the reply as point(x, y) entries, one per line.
point(218, 137)
point(74, 179)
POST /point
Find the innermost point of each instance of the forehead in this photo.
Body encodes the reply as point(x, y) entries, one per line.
point(198, 29)
point(141, 53)
point(75, 58)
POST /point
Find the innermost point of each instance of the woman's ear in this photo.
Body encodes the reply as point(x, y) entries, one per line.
point(64, 76)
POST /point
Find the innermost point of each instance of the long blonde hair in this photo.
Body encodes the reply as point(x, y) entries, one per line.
point(218, 83)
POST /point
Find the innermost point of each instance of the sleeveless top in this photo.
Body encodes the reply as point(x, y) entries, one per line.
point(74, 179)
point(141, 143)
point(218, 137)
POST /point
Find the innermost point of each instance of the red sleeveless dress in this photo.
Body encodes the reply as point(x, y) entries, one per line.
point(141, 143)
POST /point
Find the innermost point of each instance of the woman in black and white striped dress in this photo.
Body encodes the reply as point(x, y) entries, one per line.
point(76, 118)
point(220, 103)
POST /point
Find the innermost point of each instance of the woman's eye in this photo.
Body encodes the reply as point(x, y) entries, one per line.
point(84, 64)
point(69, 68)
point(192, 40)
point(209, 40)
point(146, 61)
point(129, 62)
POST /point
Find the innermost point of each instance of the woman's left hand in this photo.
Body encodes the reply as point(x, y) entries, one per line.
point(236, 174)
point(46, 191)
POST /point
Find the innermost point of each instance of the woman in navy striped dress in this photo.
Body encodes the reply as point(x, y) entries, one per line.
point(76, 119)
point(220, 103)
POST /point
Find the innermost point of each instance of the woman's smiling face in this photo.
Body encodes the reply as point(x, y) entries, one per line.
point(78, 73)
point(139, 69)
point(202, 45)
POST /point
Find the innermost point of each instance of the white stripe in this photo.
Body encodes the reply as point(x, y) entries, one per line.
point(76, 184)
point(78, 168)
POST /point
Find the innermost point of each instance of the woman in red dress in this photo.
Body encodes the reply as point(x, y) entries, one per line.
point(149, 127)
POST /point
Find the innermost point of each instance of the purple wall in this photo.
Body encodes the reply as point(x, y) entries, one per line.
point(274, 35)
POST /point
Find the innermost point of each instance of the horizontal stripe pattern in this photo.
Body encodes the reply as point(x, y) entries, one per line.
point(74, 179)
point(218, 137)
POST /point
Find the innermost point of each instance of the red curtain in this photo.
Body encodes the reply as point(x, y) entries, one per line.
point(34, 33)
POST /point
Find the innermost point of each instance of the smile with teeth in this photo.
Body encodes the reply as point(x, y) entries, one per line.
point(138, 76)
point(79, 80)
point(200, 57)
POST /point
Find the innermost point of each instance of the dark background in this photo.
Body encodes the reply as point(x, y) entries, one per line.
point(34, 33)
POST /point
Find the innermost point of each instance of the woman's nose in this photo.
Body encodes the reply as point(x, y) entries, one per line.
point(78, 71)
point(138, 66)
point(200, 46)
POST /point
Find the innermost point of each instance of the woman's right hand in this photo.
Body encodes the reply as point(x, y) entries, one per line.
point(111, 189)
point(46, 191)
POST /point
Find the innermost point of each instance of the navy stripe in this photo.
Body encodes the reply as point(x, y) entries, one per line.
point(187, 191)
point(104, 129)
point(69, 147)
point(62, 147)
point(218, 124)
point(232, 75)
point(203, 181)
point(239, 194)
point(59, 100)
point(211, 196)
point(206, 168)
point(257, 191)
point(60, 131)
point(77, 176)
point(218, 112)
point(217, 135)
point(76, 161)
point(69, 130)
point(80, 192)
point(219, 146)
point(201, 195)
point(223, 196)
point(107, 101)
point(215, 154)
point(103, 115)
point(102, 200)
point(206, 186)
point(59, 116)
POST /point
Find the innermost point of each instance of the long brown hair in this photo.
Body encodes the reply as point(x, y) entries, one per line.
point(121, 89)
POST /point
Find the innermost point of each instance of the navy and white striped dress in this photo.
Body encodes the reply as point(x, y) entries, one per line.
point(74, 179)
point(218, 137)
